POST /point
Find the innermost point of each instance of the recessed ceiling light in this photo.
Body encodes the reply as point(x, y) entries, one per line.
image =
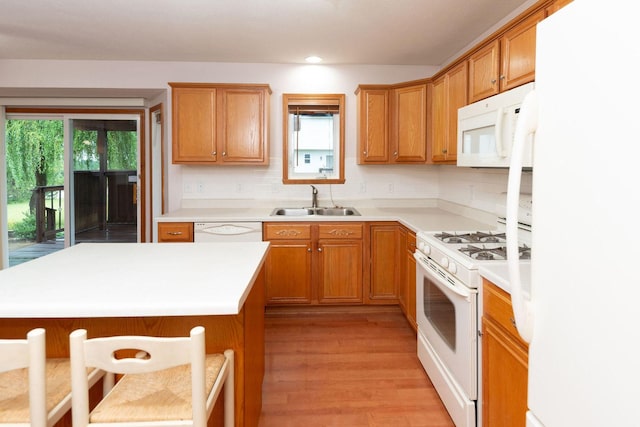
point(313, 59)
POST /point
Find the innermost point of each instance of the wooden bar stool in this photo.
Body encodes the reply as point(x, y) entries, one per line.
point(34, 390)
point(167, 381)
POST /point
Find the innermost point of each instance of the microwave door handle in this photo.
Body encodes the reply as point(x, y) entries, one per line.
point(525, 128)
point(498, 131)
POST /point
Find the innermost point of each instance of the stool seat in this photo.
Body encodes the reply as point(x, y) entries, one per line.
point(156, 396)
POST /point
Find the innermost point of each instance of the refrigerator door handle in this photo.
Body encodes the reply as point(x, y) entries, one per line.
point(525, 129)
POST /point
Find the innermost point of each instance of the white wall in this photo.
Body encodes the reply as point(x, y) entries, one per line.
point(472, 187)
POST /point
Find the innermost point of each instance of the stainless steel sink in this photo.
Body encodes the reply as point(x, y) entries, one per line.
point(337, 211)
point(292, 212)
point(314, 211)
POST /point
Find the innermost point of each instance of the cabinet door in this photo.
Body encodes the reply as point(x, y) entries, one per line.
point(411, 280)
point(484, 66)
point(504, 363)
point(385, 257)
point(409, 142)
point(288, 266)
point(340, 271)
point(175, 232)
point(373, 129)
point(242, 125)
point(339, 255)
point(518, 52)
point(194, 125)
point(288, 272)
point(457, 97)
point(439, 122)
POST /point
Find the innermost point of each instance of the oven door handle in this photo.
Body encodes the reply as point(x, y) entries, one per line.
point(461, 291)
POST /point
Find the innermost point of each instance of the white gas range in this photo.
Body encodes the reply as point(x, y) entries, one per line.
point(447, 281)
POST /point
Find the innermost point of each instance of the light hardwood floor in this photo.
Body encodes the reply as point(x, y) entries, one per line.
point(345, 367)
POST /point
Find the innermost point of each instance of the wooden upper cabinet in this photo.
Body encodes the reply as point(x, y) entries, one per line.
point(220, 124)
point(484, 67)
point(194, 124)
point(518, 52)
point(506, 62)
point(373, 125)
point(243, 123)
point(409, 124)
point(392, 123)
point(449, 93)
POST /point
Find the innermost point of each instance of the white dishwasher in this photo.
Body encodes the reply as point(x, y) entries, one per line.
point(227, 232)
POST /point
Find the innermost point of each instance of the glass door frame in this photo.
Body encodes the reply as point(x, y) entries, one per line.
point(67, 115)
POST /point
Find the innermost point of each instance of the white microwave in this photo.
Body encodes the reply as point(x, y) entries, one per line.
point(486, 129)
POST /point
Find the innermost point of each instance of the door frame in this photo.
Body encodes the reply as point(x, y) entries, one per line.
point(90, 113)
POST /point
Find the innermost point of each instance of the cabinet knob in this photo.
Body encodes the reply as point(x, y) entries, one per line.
point(224, 153)
point(395, 153)
point(502, 77)
point(214, 153)
point(319, 249)
point(493, 81)
point(364, 152)
point(444, 151)
point(308, 249)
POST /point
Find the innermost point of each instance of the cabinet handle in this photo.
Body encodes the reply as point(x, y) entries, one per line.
point(395, 153)
point(502, 77)
point(174, 233)
point(513, 322)
point(215, 153)
point(308, 249)
point(224, 153)
point(365, 153)
point(493, 81)
point(319, 249)
point(444, 151)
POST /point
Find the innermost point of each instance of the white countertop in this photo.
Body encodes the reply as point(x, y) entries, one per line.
point(498, 274)
point(133, 280)
point(427, 218)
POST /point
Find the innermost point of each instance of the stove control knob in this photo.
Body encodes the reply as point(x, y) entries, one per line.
point(444, 262)
point(453, 268)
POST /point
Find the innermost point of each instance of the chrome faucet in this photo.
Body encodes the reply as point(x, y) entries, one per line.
point(314, 197)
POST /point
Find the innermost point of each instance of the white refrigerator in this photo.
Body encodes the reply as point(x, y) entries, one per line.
point(582, 312)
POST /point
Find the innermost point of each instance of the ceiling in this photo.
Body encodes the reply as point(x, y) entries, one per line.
point(384, 32)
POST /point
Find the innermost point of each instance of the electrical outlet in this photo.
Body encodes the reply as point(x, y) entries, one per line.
point(200, 187)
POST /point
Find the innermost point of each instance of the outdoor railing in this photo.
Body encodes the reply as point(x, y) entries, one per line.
point(49, 204)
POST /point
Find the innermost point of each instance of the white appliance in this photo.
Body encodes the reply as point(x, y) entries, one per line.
point(581, 315)
point(447, 312)
point(486, 129)
point(227, 232)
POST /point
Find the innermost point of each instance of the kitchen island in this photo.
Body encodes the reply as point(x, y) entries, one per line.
point(148, 289)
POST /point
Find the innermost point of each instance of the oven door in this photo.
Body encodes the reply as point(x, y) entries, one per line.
point(447, 337)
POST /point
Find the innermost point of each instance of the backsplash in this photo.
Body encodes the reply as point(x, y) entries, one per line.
point(475, 188)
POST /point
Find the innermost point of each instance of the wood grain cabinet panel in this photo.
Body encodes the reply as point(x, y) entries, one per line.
point(504, 362)
point(220, 123)
point(385, 272)
point(392, 123)
point(175, 232)
point(449, 93)
point(314, 263)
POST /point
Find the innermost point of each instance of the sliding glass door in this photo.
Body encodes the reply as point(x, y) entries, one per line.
point(70, 179)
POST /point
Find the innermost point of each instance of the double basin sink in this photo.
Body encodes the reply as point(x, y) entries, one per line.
point(315, 211)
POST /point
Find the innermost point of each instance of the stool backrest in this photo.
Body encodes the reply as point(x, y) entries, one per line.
point(29, 353)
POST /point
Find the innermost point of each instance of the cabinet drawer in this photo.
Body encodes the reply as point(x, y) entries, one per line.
point(175, 232)
point(497, 306)
point(287, 231)
point(340, 231)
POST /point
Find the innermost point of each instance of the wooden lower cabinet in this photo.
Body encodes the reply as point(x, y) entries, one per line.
point(407, 290)
point(175, 232)
point(385, 266)
point(504, 362)
point(314, 263)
